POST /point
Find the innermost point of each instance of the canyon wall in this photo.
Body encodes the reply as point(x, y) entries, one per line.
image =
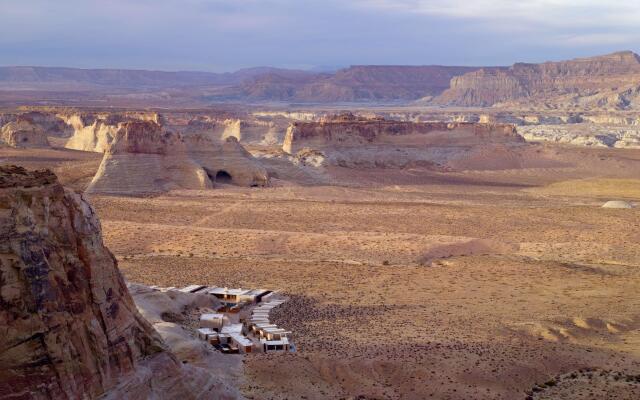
point(70, 328)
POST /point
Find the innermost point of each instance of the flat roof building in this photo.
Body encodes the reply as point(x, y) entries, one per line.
point(213, 321)
point(275, 345)
point(244, 344)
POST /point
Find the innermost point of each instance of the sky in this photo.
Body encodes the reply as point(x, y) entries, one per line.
point(225, 35)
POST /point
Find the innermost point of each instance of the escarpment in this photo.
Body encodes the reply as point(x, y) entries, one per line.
point(145, 158)
point(611, 82)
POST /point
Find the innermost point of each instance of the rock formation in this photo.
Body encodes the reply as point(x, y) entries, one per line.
point(584, 134)
point(23, 132)
point(350, 141)
point(144, 158)
point(362, 83)
point(70, 328)
point(95, 131)
point(617, 204)
point(611, 81)
point(350, 130)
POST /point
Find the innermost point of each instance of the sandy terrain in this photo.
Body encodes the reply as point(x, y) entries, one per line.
point(415, 284)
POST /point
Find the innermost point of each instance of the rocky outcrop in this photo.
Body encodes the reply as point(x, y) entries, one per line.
point(350, 141)
point(611, 81)
point(347, 130)
point(70, 329)
point(24, 133)
point(95, 131)
point(144, 158)
point(584, 134)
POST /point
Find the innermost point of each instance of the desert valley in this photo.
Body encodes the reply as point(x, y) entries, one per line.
point(422, 232)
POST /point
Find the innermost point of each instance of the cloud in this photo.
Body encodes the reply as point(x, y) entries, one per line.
point(228, 34)
point(537, 22)
point(545, 12)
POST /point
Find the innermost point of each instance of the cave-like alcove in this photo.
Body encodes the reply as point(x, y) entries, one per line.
point(223, 176)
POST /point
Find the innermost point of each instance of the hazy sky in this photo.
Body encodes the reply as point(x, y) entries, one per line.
point(220, 35)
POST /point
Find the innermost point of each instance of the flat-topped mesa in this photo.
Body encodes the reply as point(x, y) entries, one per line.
point(144, 158)
point(604, 81)
point(347, 130)
point(70, 328)
point(24, 133)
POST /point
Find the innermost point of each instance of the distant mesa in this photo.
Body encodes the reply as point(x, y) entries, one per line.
point(617, 204)
point(607, 82)
point(610, 81)
point(362, 83)
point(145, 158)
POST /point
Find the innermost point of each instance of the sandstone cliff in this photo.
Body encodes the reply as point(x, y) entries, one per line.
point(610, 81)
point(350, 131)
point(95, 131)
point(24, 132)
point(144, 158)
point(70, 329)
point(350, 141)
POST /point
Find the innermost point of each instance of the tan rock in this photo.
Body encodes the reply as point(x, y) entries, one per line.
point(144, 158)
point(23, 132)
point(70, 329)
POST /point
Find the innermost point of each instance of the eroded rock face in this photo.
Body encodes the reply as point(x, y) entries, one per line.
point(25, 133)
point(70, 328)
point(145, 158)
point(611, 82)
point(349, 130)
point(350, 141)
point(96, 131)
point(588, 135)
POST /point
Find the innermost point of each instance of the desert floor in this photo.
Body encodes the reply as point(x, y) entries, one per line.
point(412, 284)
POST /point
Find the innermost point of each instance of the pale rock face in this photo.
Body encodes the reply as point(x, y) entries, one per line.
point(584, 134)
point(232, 129)
point(95, 132)
point(617, 204)
point(24, 133)
point(144, 158)
point(95, 137)
point(356, 142)
point(70, 329)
